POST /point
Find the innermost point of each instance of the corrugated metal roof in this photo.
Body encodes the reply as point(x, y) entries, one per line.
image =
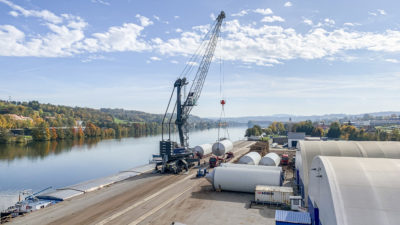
point(292, 217)
point(296, 135)
point(91, 185)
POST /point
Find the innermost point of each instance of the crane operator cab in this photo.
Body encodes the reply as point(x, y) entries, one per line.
point(190, 99)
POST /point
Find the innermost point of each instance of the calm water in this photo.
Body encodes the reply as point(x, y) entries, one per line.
point(59, 164)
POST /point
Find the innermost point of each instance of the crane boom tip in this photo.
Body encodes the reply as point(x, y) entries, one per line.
point(221, 16)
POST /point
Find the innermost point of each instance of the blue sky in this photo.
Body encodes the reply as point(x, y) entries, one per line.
point(295, 57)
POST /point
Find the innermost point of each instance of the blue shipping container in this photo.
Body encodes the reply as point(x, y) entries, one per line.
point(289, 217)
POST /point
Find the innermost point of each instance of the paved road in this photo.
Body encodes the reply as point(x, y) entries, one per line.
point(134, 201)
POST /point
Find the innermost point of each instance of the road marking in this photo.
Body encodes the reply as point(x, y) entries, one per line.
point(108, 219)
point(151, 212)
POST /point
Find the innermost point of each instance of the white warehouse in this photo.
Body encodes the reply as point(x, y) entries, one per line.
point(307, 150)
point(354, 191)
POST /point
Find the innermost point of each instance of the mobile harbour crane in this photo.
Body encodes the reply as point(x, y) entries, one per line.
point(175, 157)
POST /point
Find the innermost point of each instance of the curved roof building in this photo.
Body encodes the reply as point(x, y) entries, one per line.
point(354, 191)
point(307, 150)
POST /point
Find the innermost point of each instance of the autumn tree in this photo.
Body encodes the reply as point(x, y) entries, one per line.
point(80, 134)
point(41, 132)
point(53, 134)
point(318, 132)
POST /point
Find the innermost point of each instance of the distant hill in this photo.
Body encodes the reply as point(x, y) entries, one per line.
point(297, 118)
point(139, 116)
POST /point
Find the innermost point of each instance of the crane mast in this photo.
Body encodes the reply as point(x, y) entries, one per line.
point(184, 104)
point(183, 110)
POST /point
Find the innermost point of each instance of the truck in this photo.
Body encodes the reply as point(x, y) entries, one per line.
point(285, 160)
point(215, 161)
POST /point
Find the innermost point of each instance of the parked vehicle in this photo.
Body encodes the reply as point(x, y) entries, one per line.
point(285, 160)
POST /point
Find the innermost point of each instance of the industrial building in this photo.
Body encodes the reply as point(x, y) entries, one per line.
point(307, 150)
point(354, 190)
point(294, 138)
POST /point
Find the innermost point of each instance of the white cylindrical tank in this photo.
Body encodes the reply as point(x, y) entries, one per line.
point(277, 168)
point(203, 150)
point(251, 158)
point(222, 147)
point(242, 179)
point(271, 159)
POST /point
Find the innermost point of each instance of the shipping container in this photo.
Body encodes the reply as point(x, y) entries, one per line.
point(273, 194)
point(283, 217)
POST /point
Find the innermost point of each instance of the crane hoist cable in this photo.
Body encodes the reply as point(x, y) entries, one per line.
point(222, 124)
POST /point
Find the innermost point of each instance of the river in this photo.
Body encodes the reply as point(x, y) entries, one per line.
point(58, 164)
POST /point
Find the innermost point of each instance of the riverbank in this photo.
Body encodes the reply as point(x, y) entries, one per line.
point(141, 199)
point(39, 165)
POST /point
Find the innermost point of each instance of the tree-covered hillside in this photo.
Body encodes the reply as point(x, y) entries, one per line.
point(53, 122)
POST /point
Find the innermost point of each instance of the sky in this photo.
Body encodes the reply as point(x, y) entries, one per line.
point(277, 57)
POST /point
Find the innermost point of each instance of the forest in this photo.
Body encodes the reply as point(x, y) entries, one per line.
point(33, 121)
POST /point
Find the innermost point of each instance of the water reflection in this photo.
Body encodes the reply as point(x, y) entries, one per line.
point(40, 150)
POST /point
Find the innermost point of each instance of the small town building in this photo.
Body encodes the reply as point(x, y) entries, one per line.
point(294, 138)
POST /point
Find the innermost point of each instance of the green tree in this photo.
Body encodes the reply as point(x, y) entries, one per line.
point(304, 126)
point(41, 132)
point(334, 130)
point(318, 132)
point(395, 136)
point(60, 133)
point(349, 132)
point(5, 136)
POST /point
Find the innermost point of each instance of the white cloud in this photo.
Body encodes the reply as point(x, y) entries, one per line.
point(266, 11)
point(381, 11)
point(144, 20)
point(241, 13)
point(13, 13)
point(308, 22)
point(94, 57)
point(271, 19)
point(392, 60)
point(174, 61)
point(213, 16)
point(249, 44)
point(100, 2)
point(155, 58)
point(178, 30)
point(287, 4)
point(176, 17)
point(329, 21)
point(269, 45)
point(43, 14)
point(118, 38)
point(192, 63)
point(378, 12)
point(156, 17)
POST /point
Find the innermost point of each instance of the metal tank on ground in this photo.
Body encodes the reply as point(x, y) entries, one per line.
point(221, 147)
point(251, 158)
point(271, 159)
point(242, 179)
point(203, 149)
point(259, 167)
